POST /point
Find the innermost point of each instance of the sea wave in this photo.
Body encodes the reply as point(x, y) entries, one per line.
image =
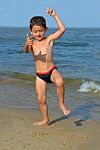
point(89, 86)
point(16, 76)
point(82, 85)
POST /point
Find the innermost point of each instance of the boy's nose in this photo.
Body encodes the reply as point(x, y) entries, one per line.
point(38, 33)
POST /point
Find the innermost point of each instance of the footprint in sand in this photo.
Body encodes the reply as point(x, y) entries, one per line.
point(64, 139)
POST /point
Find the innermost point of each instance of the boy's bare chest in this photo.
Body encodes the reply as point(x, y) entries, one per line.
point(42, 52)
point(40, 49)
point(43, 48)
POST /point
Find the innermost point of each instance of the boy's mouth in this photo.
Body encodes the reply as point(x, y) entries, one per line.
point(40, 38)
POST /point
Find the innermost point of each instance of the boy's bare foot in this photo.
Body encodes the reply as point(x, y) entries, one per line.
point(41, 123)
point(65, 111)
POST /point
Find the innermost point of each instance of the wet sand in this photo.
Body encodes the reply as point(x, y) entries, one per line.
point(17, 132)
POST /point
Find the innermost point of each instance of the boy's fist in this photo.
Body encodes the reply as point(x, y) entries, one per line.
point(29, 40)
point(50, 11)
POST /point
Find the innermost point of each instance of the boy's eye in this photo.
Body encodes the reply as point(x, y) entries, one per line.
point(41, 30)
point(34, 31)
point(37, 31)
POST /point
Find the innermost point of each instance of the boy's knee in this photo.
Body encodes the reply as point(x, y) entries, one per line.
point(42, 99)
point(60, 82)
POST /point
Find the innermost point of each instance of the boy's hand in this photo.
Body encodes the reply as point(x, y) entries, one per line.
point(50, 11)
point(29, 40)
point(28, 44)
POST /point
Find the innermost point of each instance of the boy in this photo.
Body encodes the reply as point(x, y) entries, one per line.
point(46, 71)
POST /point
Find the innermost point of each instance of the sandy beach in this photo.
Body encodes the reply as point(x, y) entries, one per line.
point(17, 132)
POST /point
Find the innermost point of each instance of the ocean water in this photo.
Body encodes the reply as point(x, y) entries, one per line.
point(77, 56)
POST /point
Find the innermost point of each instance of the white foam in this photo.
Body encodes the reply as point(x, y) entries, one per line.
point(88, 86)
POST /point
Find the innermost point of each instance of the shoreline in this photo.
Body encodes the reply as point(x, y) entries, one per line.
point(18, 132)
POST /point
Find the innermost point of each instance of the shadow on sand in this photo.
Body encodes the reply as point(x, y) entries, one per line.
point(84, 111)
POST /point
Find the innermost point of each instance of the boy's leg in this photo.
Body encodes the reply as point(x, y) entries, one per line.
point(58, 80)
point(41, 94)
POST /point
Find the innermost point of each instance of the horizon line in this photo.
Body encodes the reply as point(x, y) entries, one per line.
point(54, 27)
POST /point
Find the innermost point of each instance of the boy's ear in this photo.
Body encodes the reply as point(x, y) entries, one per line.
point(30, 31)
point(46, 28)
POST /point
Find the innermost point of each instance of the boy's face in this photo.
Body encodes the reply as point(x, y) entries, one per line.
point(38, 32)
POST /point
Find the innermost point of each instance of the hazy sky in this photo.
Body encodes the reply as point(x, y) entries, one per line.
point(74, 13)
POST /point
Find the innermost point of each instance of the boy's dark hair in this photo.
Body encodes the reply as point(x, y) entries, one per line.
point(37, 20)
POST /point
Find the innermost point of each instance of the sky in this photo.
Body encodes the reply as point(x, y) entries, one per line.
point(73, 13)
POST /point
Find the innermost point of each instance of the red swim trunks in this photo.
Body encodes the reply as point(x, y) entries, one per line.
point(46, 76)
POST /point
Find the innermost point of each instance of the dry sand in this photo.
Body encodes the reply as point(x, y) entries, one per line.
point(18, 133)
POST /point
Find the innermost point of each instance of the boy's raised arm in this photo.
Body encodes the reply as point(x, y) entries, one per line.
point(61, 27)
